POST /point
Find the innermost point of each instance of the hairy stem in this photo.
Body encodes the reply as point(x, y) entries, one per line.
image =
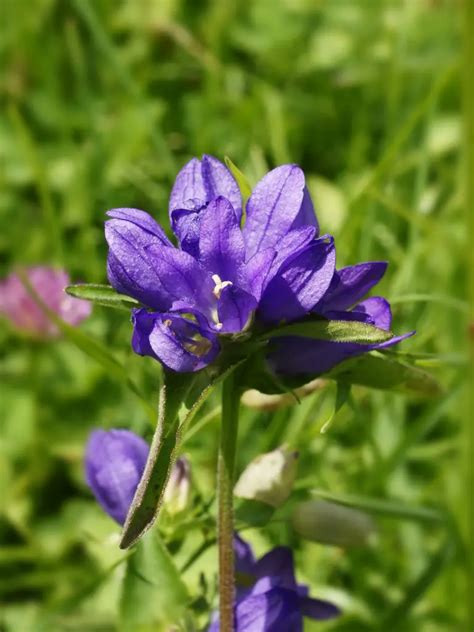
point(225, 477)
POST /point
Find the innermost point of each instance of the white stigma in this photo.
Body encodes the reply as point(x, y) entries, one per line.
point(219, 285)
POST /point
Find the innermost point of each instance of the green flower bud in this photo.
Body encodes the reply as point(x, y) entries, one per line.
point(269, 478)
point(331, 523)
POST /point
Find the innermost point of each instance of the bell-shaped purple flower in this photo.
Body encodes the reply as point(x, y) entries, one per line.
point(268, 597)
point(114, 464)
point(20, 308)
point(222, 277)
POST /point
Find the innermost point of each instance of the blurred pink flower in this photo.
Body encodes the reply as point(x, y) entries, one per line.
point(19, 307)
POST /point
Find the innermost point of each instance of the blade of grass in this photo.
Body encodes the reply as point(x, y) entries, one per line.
point(36, 164)
point(384, 507)
point(396, 619)
point(404, 133)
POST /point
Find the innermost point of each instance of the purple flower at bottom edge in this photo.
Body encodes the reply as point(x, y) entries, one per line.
point(20, 308)
point(275, 602)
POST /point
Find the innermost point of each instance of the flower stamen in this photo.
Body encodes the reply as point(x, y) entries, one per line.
point(219, 285)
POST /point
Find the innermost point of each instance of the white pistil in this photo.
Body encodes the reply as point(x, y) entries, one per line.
point(219, 285)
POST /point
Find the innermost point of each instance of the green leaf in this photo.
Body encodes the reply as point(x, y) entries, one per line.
point(185, 391)
point(101, 295)
point(93, 348)
point(382, 371)
point(153, 594)
point(333, 330)
point(244, 186)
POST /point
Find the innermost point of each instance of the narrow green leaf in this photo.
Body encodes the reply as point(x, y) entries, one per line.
point(244, 186)
point(333, 330)
point(89, 346)
point(153, 594)
point(382, 371)
point(396, 619)
point(177, 392)
point(101, 295)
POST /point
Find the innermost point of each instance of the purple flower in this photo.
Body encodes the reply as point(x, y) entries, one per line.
point(114, 464)
point(268, 597)
point(19, 307)
point(223, 277)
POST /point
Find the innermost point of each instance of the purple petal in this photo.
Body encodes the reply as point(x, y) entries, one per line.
point(300, 356)
point(186, 225)
point(114, 463)
point(181, 278)
point(188, 186)
point(129, 266)
point(274, 610)
point(273, 207)
point(351, 284)
point(143, 323)
point(299, 284)
point(257, 270)
point(221, 244)
point(278, 566)
point(291, 245)
point(234, 309)
point(306, 215)
point(318, 609)
point(142, 220)
point(378, 310)
point(353, 315)
point(178, 343)
point(219, 181)
point(244, 557)
point(204, 180)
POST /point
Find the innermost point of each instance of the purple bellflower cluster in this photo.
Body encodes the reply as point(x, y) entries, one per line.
point(235, 269)
point(268, 597)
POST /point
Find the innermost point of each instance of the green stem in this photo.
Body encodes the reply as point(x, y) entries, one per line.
point(225, 477)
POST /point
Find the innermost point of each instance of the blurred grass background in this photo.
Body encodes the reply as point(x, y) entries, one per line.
point(104, 102)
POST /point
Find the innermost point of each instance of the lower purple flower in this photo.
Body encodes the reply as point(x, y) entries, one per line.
point(268, 596)
point(114, 464)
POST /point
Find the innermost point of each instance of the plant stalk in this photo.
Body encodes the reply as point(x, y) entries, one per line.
point(225, 478)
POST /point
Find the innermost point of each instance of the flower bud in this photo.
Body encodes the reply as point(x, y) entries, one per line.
point(178, 489)
point(20, 308)
point(331, 523)
point(269, 478)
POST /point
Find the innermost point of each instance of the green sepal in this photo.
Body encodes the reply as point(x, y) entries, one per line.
point(333, 331)
point(104, 295)
point(244, 186)
point(383, 371)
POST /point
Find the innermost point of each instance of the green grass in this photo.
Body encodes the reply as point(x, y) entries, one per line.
point(104, 101)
